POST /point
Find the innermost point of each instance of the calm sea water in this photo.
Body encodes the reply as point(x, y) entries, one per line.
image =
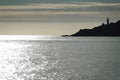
point(57, 58)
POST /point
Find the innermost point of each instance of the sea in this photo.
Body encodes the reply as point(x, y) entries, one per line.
point(59, 58)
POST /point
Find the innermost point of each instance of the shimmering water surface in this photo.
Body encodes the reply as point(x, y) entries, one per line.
point(57, 58)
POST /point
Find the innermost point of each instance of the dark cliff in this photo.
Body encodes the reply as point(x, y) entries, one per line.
point(112, 29)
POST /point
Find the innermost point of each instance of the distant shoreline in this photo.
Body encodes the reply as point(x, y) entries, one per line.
point(89, 36)
point(104, 30)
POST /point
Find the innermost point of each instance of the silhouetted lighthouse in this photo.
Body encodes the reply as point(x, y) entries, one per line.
point(107, 21)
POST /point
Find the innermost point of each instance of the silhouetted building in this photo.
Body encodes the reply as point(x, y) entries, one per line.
point(108, 21)
point(103, 24)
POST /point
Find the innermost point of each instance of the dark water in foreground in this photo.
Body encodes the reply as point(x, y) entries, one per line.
point(55, 58)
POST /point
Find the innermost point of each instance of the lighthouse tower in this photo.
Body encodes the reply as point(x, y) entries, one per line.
point(108, 21)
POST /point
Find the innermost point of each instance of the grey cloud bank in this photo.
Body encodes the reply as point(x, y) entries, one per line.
point(22, 2)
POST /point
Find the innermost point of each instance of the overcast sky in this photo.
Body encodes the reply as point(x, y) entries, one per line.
point(55, 17)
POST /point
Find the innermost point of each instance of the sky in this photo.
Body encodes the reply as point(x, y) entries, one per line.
point(54, 17)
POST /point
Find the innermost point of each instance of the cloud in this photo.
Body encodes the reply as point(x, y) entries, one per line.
point(62, 5)
point(25, 2)
point(83, 9)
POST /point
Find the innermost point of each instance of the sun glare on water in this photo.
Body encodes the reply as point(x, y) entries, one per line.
point(16, 63)
point(27, 37)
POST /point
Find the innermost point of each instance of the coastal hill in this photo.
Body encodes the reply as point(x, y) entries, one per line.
point(109, 29)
